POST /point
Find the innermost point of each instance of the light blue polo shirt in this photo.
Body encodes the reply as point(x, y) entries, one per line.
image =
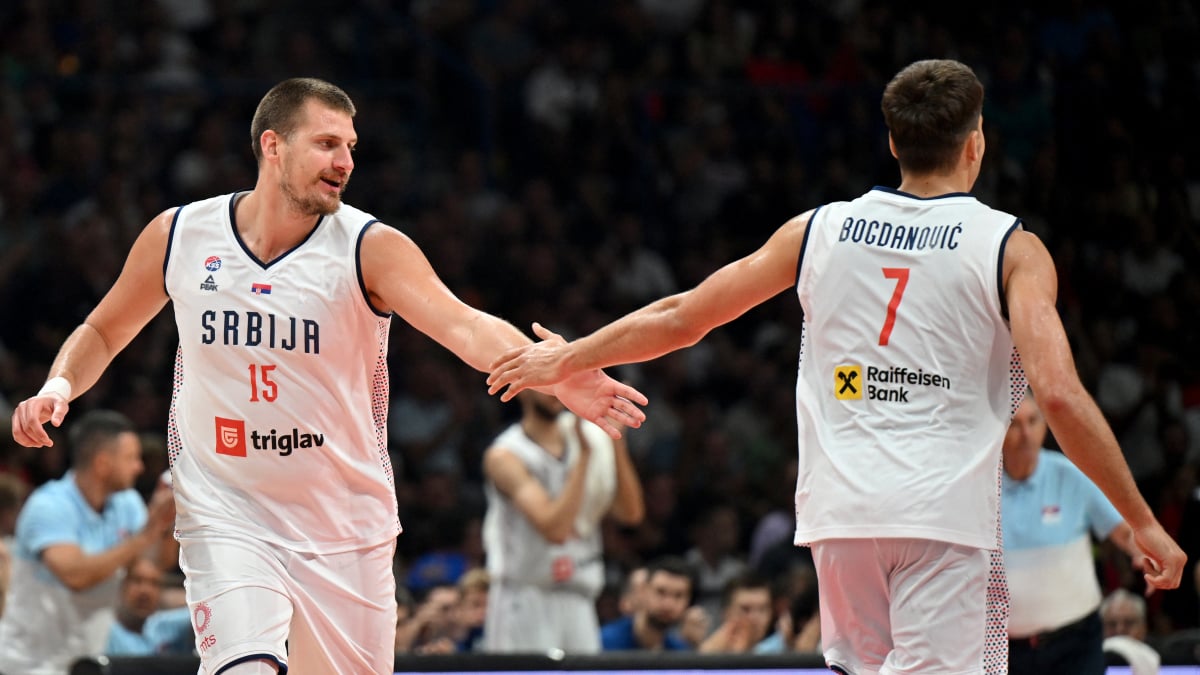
point(1048, 520)
point(166, 632)
point(46, 625)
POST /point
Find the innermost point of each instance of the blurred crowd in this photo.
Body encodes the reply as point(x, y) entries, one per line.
point(566, 162)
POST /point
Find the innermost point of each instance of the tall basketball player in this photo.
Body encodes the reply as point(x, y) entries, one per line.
point(913, 299)
point(283, 297)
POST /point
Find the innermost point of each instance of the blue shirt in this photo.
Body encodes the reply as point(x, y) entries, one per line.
point(1047, 520)
point(45, 623)
point(618, 636)
point(166, 632)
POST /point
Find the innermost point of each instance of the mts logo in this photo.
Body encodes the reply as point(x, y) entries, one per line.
point(233, 440)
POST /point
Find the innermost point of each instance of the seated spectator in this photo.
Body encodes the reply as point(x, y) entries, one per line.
point(666, 597)
point(1124, 617)
point(745, 616)
point(797, 630)
point(472, 608)
point(432, 628)
point(143, 627)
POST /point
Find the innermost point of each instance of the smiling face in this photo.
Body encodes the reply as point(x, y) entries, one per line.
point(315, 159)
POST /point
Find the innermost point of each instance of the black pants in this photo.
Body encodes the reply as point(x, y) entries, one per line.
point(1076, 648)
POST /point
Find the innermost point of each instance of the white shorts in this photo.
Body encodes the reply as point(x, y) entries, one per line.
point(902, 606)
point(309, 613)
point(530, 619)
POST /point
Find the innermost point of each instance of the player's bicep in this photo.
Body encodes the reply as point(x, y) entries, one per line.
point(138, 294)
point(1031, 289)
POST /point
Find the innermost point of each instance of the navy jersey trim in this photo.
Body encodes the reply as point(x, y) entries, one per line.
point(170, 243)
point(902, 193)
point(1000, 269)
point(236, 235)
point(804, 243)
point(362, 284)
point(254, 657)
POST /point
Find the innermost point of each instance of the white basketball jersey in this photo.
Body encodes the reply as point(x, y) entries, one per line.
point(907, 370)
point(516, 552)
point(278, 419)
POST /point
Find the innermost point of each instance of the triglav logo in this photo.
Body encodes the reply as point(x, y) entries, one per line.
point(231, 437)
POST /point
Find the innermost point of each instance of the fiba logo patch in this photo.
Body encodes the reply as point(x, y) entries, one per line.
point(848, 382)
point(231, 437)
point(212, 263)
point(201, 616)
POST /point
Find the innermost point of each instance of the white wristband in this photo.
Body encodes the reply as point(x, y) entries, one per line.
point(57, 385)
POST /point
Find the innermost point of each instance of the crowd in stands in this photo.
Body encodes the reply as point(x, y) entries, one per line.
point(566, 162)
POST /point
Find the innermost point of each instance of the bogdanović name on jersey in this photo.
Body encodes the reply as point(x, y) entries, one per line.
point(900, 237)
point(260, 330)
point(899, 375)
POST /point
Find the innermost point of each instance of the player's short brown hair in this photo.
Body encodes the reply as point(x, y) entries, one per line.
point(930, 108)
point(279, 110)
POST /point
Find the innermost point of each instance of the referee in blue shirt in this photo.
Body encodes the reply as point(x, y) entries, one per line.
point(1049, 512)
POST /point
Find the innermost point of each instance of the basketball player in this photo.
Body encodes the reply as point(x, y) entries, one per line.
point(283, 297)
point(913, 299)
point(551, 479)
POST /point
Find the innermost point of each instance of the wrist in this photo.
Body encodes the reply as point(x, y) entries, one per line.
point(57, 385)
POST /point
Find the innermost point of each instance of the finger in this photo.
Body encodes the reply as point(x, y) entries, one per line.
point(504, 358)
point(60, 411)
point(630, 394)
point(545, 333)
point(613, 431)
point(631, 412)
point(501, 377)
point(513, 389)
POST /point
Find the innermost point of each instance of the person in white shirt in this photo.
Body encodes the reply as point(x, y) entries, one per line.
point(914, 299)
point(283, 298)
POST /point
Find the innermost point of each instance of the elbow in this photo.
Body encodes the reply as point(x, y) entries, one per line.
point(77, 583)
point(630, 516)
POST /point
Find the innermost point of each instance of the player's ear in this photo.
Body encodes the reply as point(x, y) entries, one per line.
point(892, 145)
point(269, 142)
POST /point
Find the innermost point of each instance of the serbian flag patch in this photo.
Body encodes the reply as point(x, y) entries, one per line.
point(260, 289)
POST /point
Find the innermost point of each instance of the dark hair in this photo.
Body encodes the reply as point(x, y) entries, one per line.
point(746, 581)
point(279, 110)
point(94, 432)
point(674, 566)
point(930, 108)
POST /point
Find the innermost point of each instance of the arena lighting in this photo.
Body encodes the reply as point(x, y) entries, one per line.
point(613, 663)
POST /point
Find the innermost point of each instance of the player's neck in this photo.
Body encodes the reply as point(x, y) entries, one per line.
point(545, 433)
point(934, 185)
point(268, 225)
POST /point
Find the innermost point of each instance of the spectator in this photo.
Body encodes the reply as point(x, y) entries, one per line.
point(143, 626)
point(75, 536)
point(551, 480)
point(746, 616)
point(666, 597)
point(1124, 617)
point(798, 629)
point(1049, 508)
point(472, 608)
point(432, 628)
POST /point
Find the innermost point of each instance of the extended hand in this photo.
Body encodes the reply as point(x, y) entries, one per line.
point(603, 401)
point(32, 413)
point(540, 364)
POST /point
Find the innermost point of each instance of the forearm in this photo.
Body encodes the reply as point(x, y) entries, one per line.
point(656, 329)
point(82, 359)
point(1087, 440)
point(560, 518)
point(628, 505)
point(90, 570)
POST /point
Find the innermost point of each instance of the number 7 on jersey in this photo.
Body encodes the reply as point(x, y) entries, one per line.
point(900, 274)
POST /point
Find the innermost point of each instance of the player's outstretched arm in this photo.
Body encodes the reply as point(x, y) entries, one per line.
point(663, 326)
point(400, 279)
point(136, 297)
point(1031, 289)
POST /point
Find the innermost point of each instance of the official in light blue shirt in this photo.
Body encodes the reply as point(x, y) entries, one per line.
point(1049, 513)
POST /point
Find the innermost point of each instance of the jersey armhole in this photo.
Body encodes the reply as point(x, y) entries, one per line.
point(804, 242)
point(1000, 268)
point(362, 284)
point(170, 244)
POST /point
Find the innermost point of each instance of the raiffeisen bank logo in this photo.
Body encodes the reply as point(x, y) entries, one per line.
point(233, 440)
point(890, 384)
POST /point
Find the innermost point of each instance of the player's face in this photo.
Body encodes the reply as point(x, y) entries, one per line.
point(316, 160)
point(124, 461)
point(666, 599)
